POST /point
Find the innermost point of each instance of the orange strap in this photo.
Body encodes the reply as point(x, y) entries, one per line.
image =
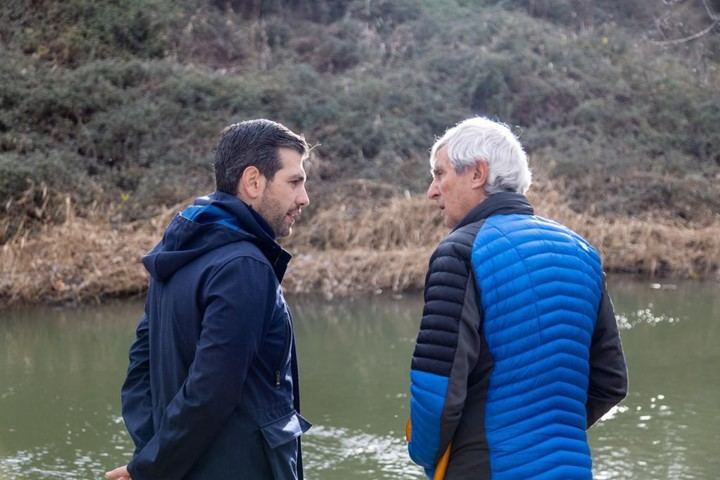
point(442, 465)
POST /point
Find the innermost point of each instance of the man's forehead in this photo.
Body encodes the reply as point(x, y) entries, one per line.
point(288, 154)
point(441, 159)
point(290, 158)
point(441, 155)
point(292, 169)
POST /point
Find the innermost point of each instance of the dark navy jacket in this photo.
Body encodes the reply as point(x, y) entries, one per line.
point(212, 389)
point(518, 351)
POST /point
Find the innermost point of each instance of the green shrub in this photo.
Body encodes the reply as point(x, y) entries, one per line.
point(75, 31)
point(132, 98)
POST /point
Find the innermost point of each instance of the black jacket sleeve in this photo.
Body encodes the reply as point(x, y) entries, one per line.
point(608, 372)
point(446, 350)
point(135, 393)
point(239, 300)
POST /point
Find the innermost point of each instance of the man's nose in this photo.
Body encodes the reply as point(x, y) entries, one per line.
point(303, 200)
point(433, 192)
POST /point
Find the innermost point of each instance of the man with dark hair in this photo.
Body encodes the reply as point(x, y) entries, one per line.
point(518, 352)
point(212, 387)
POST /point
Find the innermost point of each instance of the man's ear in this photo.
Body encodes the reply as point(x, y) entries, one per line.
point(251, 185)
point(480, 174)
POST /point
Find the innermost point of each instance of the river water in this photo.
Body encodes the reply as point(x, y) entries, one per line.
point(61, 369)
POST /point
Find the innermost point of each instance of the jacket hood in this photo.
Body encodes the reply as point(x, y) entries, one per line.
point(211, 222)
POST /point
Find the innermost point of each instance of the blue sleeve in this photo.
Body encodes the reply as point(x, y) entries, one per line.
point(239, 300)
point(135, 393)
point(608, 372)
point(427, 399)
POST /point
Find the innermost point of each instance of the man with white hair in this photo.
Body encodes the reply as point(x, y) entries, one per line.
point(518, 351)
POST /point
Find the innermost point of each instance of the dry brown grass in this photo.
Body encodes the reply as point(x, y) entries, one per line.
point(345, 247)
point(344, 272)
point(652, 245)
point(81, 259)
point(387, 224)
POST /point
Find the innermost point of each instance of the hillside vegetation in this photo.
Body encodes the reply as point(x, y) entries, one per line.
point(114, 110)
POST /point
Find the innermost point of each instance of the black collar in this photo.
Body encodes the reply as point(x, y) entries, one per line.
point(503, 203)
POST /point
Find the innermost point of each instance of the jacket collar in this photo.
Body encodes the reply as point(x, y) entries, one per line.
point(210, 223)
point(503, 203)
point(278, 257)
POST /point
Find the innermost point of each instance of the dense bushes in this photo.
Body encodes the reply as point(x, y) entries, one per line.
point(123, 104)
point(75, 31)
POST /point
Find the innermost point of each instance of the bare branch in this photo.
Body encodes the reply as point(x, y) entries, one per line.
point(713, 15)
point(690, 38)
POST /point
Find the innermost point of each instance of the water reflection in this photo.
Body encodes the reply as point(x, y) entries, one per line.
point(343, 453)
point(60, 371)
point(355, 362)
point(59, 391)
point(669, 424)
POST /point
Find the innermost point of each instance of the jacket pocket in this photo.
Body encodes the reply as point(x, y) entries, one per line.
point(284, 429)
point(282, 445)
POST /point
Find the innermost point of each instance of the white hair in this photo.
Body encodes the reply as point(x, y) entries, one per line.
point(480, 138)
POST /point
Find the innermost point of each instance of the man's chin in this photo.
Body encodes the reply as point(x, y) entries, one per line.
point(284, 232)
point(449, 223)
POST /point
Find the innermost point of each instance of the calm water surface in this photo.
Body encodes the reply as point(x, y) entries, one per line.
point(61, 369)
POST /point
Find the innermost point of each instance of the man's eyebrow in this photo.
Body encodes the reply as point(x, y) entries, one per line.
point(297, 176)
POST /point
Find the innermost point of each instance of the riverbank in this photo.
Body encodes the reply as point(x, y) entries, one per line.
point(350, 244)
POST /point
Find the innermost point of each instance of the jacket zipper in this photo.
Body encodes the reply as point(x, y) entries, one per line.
point(286, 350)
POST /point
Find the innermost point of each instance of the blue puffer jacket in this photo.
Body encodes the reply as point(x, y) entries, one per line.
point(212, 388)
point(518, 351)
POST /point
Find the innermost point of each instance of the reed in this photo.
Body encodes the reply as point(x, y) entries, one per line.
point(81, 259)
point(343, 248)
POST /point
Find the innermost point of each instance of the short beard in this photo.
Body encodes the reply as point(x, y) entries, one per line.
point(281, 229)
point(275, 217)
